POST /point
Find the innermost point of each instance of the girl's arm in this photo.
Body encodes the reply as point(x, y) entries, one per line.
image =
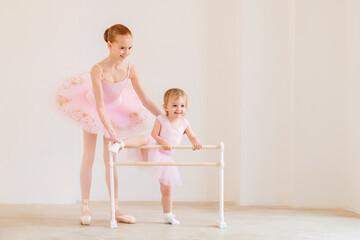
point(193, 139)
point(156, 135)
point(99, 100)
point(135, 79)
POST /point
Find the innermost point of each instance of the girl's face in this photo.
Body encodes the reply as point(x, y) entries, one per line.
point(121, 47)
point(176, 107)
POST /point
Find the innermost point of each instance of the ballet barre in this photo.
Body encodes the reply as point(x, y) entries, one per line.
point(175, 147)
point(114, 149)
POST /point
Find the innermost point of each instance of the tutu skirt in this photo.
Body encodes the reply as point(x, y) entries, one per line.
point(167, 175)
point(127, 115)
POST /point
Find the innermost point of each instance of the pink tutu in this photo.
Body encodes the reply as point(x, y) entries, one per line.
point(167, 175)
point(75, 99)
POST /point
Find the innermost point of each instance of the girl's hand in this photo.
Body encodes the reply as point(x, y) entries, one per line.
point(117, 144)
point(166, 146)
point(115, 139)
point(196, 144)
point(193, 139)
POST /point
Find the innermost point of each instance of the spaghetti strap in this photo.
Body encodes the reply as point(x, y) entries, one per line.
point(128, 74)
point(102, 73)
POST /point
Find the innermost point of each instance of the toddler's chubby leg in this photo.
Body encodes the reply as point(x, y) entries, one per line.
point(166, 201)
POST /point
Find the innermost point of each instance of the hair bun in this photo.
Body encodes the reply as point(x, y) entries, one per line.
point(117, 29)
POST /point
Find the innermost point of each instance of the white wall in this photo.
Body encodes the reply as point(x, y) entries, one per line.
point(222, 84)
point(266, 102)
point(299, 118)
point(320, 34)
point(352, 110)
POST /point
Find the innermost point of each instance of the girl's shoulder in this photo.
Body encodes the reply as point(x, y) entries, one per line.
point(184, 122)
point(96, 72)
point(133, 71)
point(162, 118)
point(95, 68)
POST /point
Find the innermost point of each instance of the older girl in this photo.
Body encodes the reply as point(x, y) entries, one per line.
point(109, 101)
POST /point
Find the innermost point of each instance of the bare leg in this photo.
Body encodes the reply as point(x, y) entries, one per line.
point(87, 163)
point(132, 142)
point(166, 201)
point(136, 141)
point(166, 198)
point(107, 168)
point(86, 175)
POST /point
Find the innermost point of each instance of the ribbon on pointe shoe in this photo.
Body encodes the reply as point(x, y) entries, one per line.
point(85, 219)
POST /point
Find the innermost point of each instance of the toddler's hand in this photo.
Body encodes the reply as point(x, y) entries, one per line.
point(196, 145)
point(166, 146)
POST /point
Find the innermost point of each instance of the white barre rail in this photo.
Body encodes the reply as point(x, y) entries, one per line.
point(114, 148)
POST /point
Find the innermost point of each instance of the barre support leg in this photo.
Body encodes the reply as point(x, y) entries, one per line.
point(113, 223)
point(221, 222)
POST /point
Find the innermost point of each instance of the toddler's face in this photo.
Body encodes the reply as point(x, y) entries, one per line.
point(121, 47)
point(176, 107)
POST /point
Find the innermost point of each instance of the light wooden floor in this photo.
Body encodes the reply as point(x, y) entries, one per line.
point(198, 221)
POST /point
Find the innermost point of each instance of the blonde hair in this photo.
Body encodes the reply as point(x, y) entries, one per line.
point(174, 92)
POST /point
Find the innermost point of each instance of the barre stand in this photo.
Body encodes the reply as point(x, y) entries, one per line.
point(114, 148)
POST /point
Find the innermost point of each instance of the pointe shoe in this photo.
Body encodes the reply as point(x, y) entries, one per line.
point(85, 218)
point(116, 147)
point(123, 218)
